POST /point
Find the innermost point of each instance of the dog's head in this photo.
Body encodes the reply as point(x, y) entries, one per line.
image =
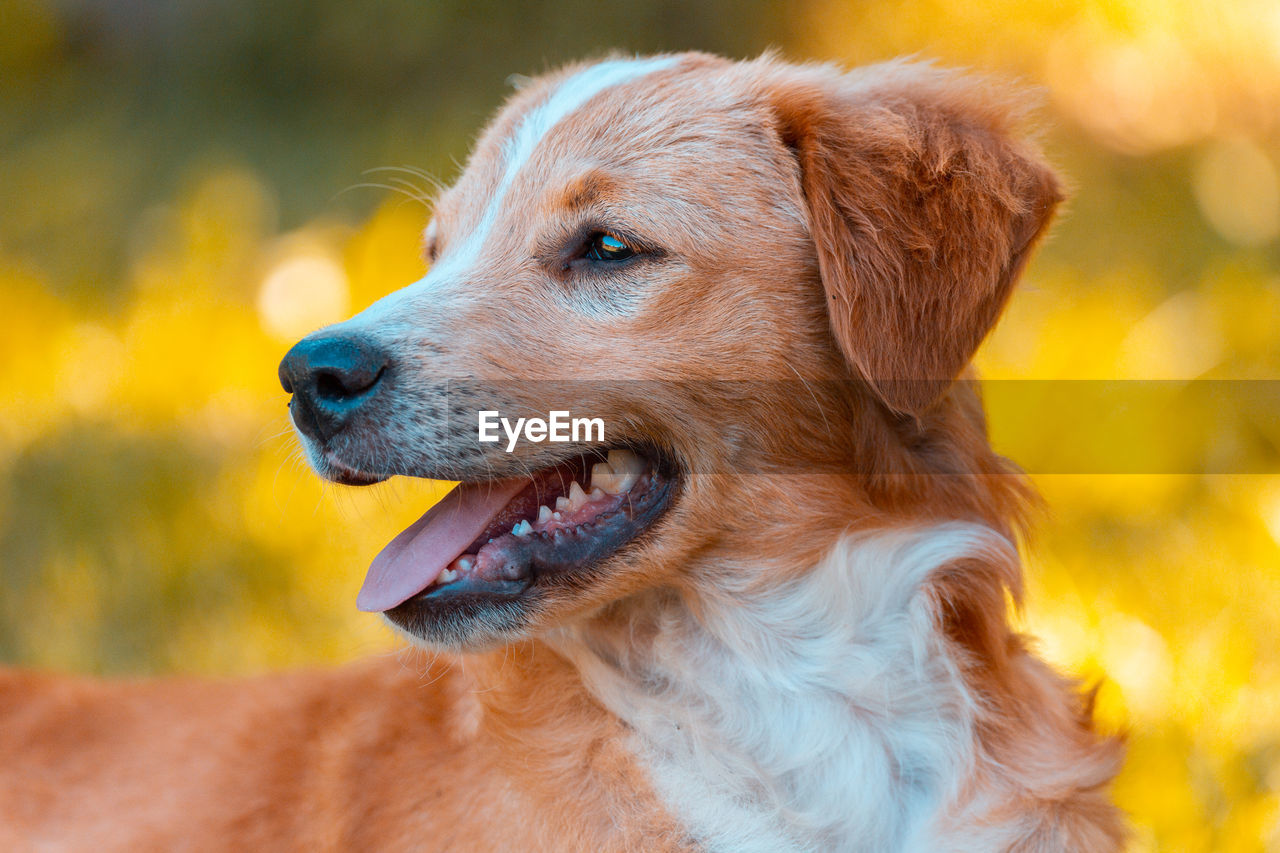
point(761, 280)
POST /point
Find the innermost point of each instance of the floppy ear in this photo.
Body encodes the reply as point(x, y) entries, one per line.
point(924, 207)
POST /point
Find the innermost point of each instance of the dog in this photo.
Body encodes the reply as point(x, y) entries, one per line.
point(764, 608)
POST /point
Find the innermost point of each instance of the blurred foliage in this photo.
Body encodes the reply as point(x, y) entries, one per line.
point(185, 193)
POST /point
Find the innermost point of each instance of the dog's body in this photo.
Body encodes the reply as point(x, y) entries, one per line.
point(389, 754)
point(778, 620)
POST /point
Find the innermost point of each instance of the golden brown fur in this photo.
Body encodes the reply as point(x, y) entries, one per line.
point(875, 223)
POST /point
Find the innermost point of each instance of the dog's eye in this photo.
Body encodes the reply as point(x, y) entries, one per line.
point(607, 247)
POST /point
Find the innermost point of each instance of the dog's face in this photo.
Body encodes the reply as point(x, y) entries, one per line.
point(696, 254)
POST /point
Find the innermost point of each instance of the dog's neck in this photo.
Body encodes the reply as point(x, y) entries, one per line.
point(826, 714)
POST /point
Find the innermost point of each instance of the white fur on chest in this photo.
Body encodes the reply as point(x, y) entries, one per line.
point(823, 717)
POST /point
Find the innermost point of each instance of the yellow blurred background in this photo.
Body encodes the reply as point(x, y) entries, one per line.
point(190, 185)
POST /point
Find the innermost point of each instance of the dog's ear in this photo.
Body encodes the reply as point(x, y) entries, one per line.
point(924, 206)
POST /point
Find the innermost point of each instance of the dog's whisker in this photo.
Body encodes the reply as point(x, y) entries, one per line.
point(380, 186)
point(422, 174)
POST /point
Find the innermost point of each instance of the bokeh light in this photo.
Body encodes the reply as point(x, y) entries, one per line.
point(1239, 192)
point(300, 294)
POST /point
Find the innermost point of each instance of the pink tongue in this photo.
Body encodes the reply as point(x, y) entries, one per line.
point(415, 558)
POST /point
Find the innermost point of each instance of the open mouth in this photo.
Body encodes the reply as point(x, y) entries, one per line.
point(499, 538)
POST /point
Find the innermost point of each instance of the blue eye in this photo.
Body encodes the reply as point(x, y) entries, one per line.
point(607, 247)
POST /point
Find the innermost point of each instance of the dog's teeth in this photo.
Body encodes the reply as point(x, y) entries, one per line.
point(576, 496)
point(604, 477)
point(626, 468)
point(447, 576)
point(616, 483)
point(465, 563)
point(524, 528)
point(562, 503)
point(557, 516)
point(625, 462)
point(596, 494)
point(544, 514)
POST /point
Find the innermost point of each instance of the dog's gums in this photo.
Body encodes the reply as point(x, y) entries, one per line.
point(538, 529)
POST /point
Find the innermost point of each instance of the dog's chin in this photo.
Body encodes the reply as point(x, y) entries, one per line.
point(329, 466)
point(347, 476)
point(563, 532)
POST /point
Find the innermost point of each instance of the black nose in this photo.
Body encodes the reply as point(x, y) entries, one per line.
point(331, 377)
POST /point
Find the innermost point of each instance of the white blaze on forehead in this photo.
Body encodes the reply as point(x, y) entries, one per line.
point(568, 97)
point(539, 121)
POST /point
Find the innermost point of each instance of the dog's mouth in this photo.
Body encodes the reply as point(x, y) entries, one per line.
point(498, 538)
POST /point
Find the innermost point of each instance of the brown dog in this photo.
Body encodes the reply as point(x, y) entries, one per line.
point(762, 608)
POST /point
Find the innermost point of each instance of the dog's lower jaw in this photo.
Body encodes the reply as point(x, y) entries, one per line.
point(835, 713)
